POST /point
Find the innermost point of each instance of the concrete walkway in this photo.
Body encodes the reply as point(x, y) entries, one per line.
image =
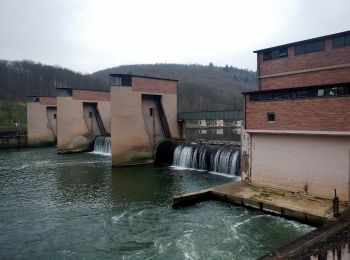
point(292, 205)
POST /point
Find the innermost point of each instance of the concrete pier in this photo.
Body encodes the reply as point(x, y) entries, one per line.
point(291, 205)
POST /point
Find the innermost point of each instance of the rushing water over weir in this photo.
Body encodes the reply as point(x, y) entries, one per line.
point(208, 157)
point(102, 145)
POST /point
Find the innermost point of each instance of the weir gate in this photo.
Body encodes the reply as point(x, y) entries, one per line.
point(222, 125)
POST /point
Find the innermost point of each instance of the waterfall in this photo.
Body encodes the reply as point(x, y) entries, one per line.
point(102, 145)
point(208, 157)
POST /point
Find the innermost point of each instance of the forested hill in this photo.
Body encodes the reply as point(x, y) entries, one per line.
point(19, 79)
point(201, 88)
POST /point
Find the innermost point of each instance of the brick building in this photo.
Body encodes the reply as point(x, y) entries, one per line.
point(298, 122)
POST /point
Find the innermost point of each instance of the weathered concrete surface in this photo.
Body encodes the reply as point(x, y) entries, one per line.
point(328, 242)
point(135, 130)
point(75, 129)
point(316, 164)
point(41, 121)
point(13, 140)
point(299, 206)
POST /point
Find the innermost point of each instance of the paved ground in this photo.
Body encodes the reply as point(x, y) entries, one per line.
point(301, 206)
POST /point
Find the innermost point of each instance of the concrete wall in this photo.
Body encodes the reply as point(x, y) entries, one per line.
point(317, 114)
point(75, 132)
point(332, 65)
point(41, 123)
point(316, 164)
point(132, 127)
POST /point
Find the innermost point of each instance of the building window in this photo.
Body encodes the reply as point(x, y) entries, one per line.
point(270, 116)
point(275, 53)
point(342, 91)
point(151, 111)
point(341, 41)
point(300, 93)
point(267, 55)
point(309, 47)
point(54, 116)
point(283, 52)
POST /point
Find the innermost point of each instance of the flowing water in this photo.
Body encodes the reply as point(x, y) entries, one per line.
point(102, 145)
point(78, 207)
point(217, 159)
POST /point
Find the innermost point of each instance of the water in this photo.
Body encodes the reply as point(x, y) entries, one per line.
point(217, 159)
point(102, 145)
point(78, 207)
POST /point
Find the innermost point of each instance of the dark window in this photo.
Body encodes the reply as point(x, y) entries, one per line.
point(267, 55)
point(338, 42)
point(341, 41)
point(120, 80)
point(262, 97)
point(309, 47)
point(54, 116)
point(301, 94)
point(320, 92)
point(343, 91)
point(254, 97)
point(275, 54)
point(282, 95)
point(90, 114)
point(312, 93)
point(347, 40)
point(283, 52)
point(151, 111)
point(271, 116)
point(306, 92)
point(330, 91)
point(299, 49)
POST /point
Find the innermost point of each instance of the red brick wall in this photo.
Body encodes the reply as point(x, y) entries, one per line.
point(91, 95)
point(307, 79)
point(48, 101)
point(330, 56)
point(317, 114)
point(154, 85)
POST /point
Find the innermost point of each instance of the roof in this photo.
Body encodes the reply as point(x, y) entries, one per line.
point(138, 76)
point(305, 41)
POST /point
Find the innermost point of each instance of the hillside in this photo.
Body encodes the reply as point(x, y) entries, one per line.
point(19, 79)
point(201, 88)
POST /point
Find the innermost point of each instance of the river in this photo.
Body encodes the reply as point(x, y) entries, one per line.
point(77, 206)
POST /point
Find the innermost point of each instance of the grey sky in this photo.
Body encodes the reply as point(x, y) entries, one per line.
point(88, 35)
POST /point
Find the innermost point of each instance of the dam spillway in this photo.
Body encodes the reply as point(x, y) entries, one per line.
point(103, 145)
point(212, 158)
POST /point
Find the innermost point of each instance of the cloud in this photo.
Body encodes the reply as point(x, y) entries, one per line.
point(86, 35)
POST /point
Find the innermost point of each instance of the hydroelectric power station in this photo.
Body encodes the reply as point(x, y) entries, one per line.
point(278, 146)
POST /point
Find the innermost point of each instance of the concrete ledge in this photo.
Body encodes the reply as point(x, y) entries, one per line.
point(301, 207)
point(327, 242)
point(191, 198)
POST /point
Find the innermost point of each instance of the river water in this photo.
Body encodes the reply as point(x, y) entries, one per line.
point(79, 207)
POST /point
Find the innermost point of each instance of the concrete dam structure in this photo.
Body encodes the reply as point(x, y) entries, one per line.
point(82, 116)
point(143, 112)
point(41, 120)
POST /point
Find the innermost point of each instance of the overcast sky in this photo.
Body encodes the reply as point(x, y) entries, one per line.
point(89, 35)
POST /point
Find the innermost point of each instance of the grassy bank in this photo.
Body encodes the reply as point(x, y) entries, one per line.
point(13, 116)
